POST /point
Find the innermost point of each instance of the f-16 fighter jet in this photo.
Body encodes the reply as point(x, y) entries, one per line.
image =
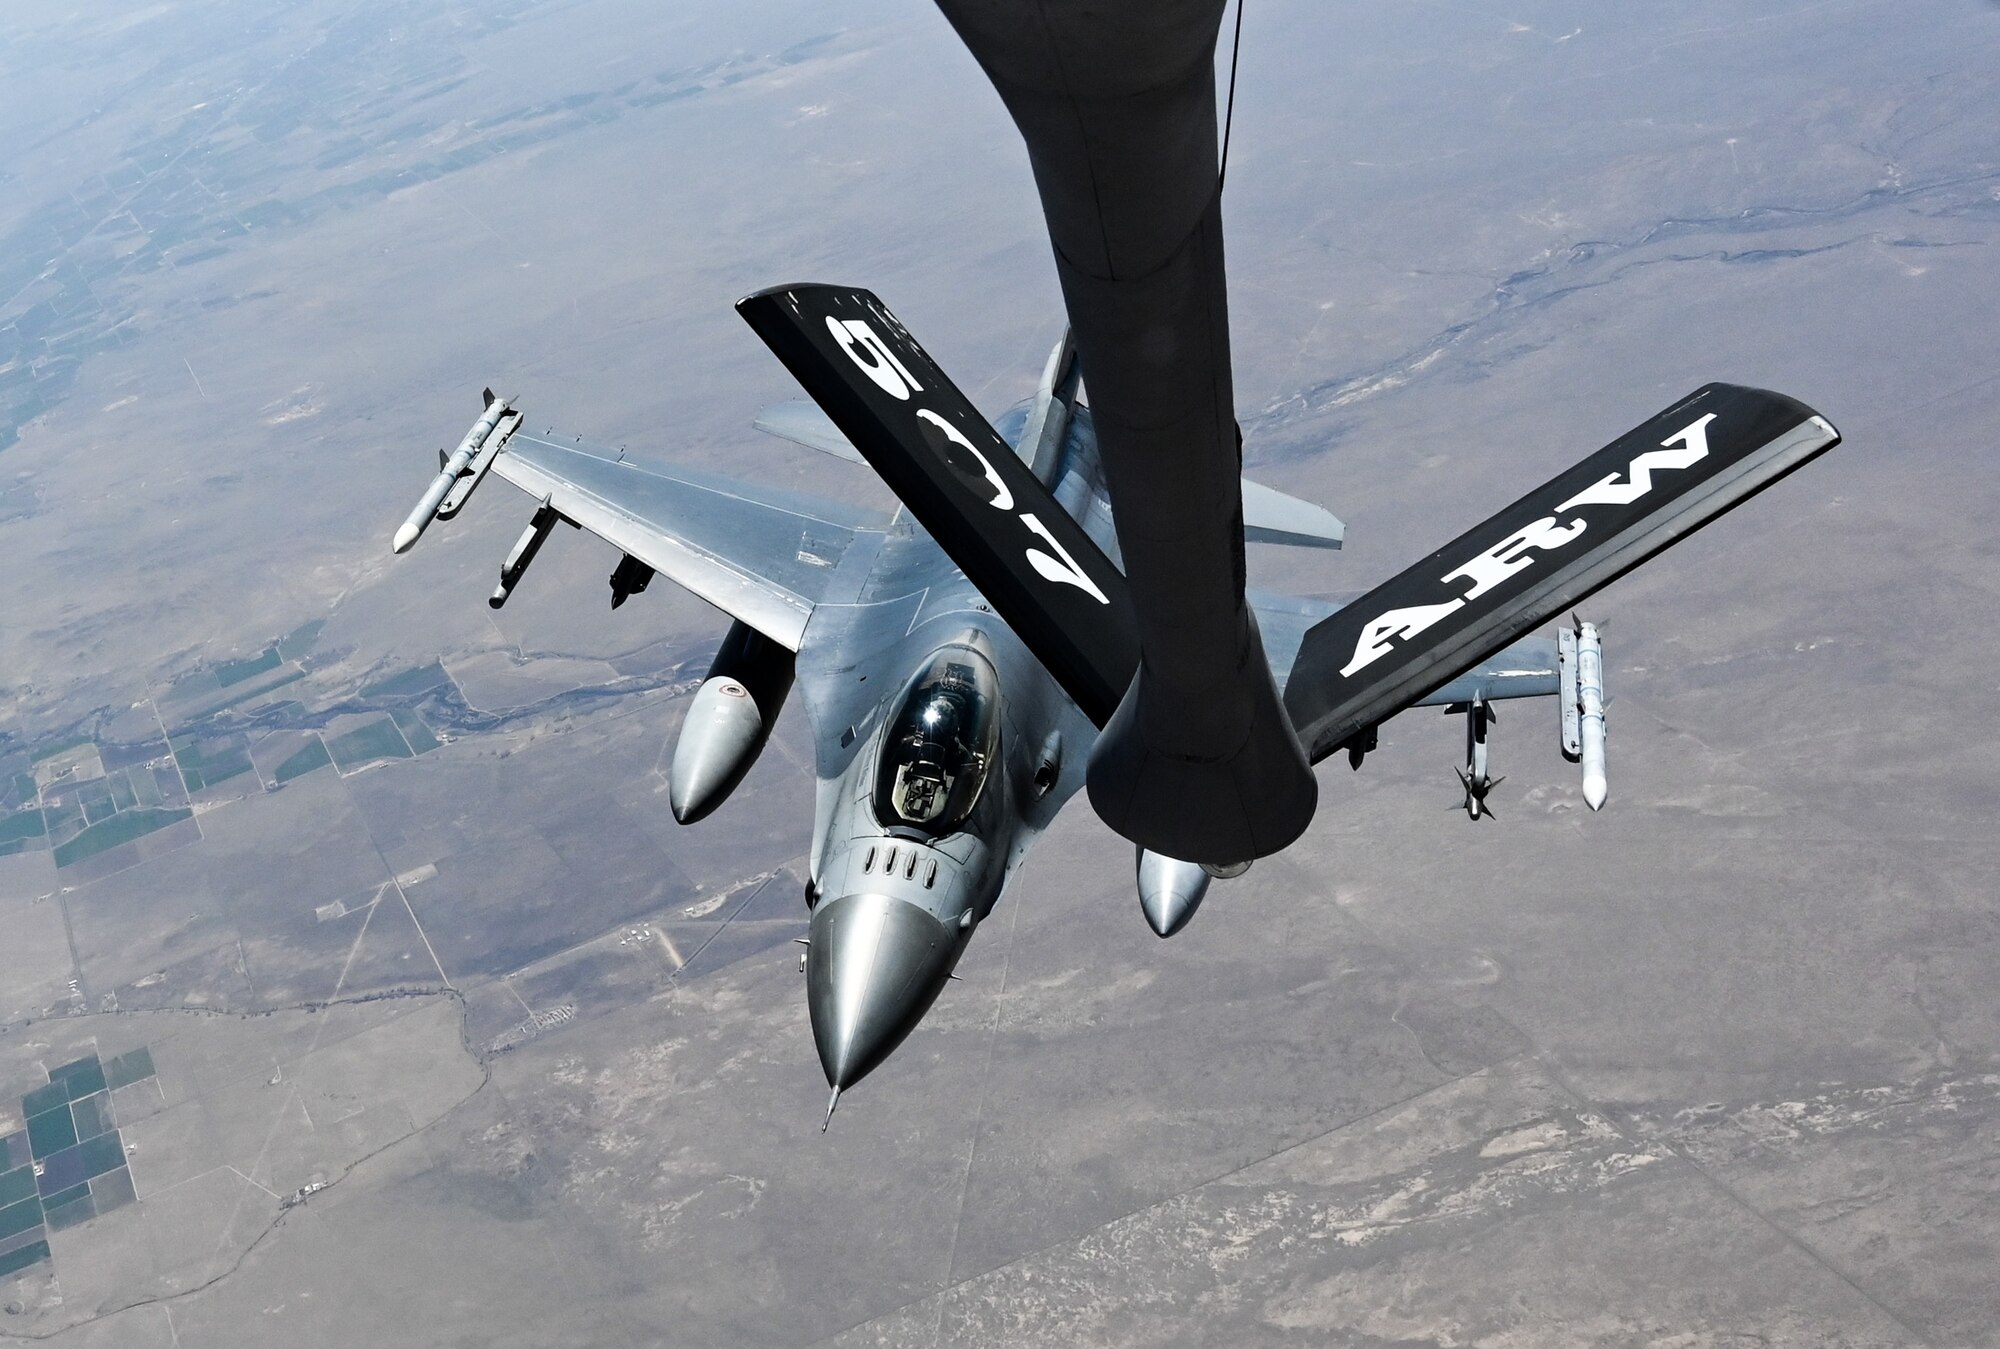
point(1062, 598)
point(959, 661)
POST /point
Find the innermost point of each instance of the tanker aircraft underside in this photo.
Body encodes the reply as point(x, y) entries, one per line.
point(958, 660)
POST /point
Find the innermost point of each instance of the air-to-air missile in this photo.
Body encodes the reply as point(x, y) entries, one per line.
point(728, 721)
point(471, 457)
point(1476, 778)
point(1580, 666)
point(1590, 709)
point(1169, 891)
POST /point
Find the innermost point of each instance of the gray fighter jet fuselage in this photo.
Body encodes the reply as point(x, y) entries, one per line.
point(952, 720)
point(943, 746)
point(972, 662)
point(943, 749)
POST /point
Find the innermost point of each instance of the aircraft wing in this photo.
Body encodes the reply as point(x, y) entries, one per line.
point(1523, 669)
point(759, 554)
point(1034, 563)
point(1420, 631)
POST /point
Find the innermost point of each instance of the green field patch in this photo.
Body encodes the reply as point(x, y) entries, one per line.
point(93, 794)
point(313, 756)
point(98, 811)
point(24, 788)
point(51, 1131)
point(121, 828)
point(17, 1185)
point(205, 763)
point(20, 1217)
point(300, 639)
point(236, 671)
point(409, 681)
point(134, 1065)
point(365, 744)
point(85, 1077)
point(65, 821)
point(22, 826)
point(73, 1214)
point(106, 1152)
point(419, 736)
point(15, 1261)
point(123, 797)
point(43, 1099)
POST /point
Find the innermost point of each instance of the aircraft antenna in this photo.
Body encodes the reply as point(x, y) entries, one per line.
point(1229, 111)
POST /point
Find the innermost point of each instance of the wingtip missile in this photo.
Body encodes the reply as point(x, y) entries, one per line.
point(451, 467)
point(1590, 708)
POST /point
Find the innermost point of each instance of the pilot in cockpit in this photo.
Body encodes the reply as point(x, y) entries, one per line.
point(939, 756)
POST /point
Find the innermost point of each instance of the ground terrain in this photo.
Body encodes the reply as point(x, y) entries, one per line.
point(456, 1038)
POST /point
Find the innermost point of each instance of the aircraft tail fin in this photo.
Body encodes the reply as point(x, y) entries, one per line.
point(1269, 516)
point(1571, 536)
point(985, 507)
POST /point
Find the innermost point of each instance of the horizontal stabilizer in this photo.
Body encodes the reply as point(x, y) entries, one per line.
point(1558, 544)
point(1269, 516)
point(1034, 564)
point(803, 423)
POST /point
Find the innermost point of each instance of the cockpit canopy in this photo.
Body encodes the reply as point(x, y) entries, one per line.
point(943, 742)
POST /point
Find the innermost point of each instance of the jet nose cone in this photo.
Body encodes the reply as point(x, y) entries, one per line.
point(874, 968)
point(1169, 891)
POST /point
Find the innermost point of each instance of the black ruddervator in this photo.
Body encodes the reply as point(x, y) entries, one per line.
point(1377, 655)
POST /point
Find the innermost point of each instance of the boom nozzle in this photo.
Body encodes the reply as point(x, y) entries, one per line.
point(1169, 891)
